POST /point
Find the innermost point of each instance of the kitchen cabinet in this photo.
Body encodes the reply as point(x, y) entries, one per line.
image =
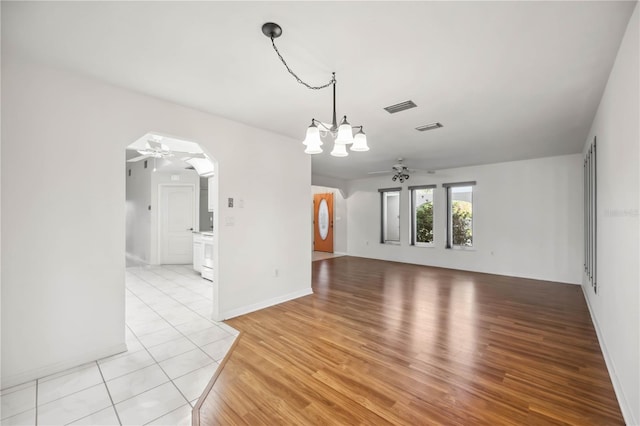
point(198, 252)
point(207, 256)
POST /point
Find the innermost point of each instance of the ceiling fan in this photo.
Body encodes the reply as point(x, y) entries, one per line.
point(400, 171)
point(156, 149)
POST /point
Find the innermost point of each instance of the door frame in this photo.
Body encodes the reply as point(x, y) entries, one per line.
point(196, 211)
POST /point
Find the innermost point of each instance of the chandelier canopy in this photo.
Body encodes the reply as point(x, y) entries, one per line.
point(341, 133)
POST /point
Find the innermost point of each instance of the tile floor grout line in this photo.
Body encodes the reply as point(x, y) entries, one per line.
point(183, 335)
point(166, 374)
point(176, 300)
point(159, 417)
point(176, 329)
point(214, 361)
point(108, 393)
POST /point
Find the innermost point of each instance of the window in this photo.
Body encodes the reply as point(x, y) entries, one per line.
point(459, 214)
point(422, 215)
point(390, 215)
point(590, 216)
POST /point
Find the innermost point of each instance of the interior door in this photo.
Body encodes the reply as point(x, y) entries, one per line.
point(176, 215)
point(323, 222)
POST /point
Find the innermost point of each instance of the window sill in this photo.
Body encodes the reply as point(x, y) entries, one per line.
point(461, 248)
point(423, 245)
point(391, 243)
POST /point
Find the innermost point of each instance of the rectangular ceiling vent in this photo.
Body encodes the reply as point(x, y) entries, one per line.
point(400, 107)
point(431, 126)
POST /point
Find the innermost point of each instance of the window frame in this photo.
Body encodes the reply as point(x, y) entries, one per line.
point(590, 193)
point(382, 192)
point(449, 231)
point(412, 192)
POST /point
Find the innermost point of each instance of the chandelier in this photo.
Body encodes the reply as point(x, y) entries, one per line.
point(341, 133)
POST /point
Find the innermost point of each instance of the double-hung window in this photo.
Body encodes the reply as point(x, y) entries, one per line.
point(459, 214)
point(422, 215)
point(390, 215)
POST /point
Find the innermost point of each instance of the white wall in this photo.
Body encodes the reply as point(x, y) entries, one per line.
point(138, 228)
point(63, 247)
point(339, 217)
point(527, 220)
point(615, 307)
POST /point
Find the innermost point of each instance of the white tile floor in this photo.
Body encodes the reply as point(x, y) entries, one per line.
point(174, 349)
point(320, 255)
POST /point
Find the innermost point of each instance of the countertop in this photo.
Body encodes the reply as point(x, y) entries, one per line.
point(209, 233)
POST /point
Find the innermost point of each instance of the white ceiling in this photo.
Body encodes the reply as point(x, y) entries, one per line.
point(509, 80)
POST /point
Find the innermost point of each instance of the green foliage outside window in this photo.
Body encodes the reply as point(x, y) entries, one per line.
point(462, 215)
point(424, 223)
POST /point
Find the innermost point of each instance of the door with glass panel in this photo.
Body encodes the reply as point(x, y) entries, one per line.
point(323, 222)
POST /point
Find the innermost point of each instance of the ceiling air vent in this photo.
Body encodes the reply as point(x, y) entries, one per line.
point(400, 107)
point(430, 126)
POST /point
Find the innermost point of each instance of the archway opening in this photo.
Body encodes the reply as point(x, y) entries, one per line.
point(171, 203)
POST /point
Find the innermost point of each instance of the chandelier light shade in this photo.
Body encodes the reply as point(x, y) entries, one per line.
point(360, 142)
point(343, 133)
point(339, 150)
point(313, 135)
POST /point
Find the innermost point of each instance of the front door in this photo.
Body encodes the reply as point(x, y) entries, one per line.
point(323, 222)
point(176, 215)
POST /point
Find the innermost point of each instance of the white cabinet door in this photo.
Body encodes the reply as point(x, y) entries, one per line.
point(210, 194)
point(197, 252)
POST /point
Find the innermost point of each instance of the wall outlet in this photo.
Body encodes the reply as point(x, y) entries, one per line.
point(230, 200)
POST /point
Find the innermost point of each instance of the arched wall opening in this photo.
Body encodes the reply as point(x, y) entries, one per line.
point(171, 201)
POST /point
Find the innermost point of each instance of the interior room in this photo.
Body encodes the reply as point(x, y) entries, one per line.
point(320, 212)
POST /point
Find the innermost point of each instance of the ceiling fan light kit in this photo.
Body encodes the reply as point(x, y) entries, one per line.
point(341, 133)
point(400, 171)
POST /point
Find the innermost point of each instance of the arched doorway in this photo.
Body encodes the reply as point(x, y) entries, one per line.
point(171, 199)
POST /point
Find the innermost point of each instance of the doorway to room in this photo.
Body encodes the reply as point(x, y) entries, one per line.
point(163, 198)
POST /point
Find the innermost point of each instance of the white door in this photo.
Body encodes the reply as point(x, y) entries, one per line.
point(177, 219)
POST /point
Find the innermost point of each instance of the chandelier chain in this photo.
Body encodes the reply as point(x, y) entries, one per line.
point(298, 79)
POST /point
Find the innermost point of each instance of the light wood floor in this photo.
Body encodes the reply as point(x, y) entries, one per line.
point(391, 343)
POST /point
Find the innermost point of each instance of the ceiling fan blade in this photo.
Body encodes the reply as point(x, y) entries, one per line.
point(187, 155)
point(381, 172)
point(138, 158)
point(429, 172)
point(154, 145)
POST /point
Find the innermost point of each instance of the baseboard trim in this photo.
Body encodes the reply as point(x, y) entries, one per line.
point(135, 258)
point(11, 380)
point(265, 303)
point(625, 407)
